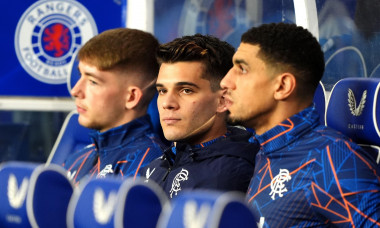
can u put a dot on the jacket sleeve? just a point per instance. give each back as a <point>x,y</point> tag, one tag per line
<point>351,192</point>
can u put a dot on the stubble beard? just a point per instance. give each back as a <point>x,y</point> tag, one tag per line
<point>234,121</point>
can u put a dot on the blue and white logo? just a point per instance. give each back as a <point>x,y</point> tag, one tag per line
<point>48,35</point>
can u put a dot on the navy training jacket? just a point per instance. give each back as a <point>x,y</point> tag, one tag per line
<point>120,151</point>
<point>225,164</point>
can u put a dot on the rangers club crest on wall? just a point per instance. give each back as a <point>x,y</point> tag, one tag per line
<point>49,34</point>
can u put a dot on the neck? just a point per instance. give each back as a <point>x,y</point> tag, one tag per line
<point>283,111</point>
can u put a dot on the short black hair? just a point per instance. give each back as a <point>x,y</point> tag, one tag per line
<point>292,48</point>
<point>215,54</point>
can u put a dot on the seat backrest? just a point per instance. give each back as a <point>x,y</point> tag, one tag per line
<point>33,195</point>
<point>48,197</point>
<point>140,204</point>
<point>207,209</point>
<point>94,205</point>
<point>320,102</point>
<point>116,203</point>
<point>72,137</point>
<point>14,185</point>
<point>353,109</point>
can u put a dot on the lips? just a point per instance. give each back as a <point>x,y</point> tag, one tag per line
<point>228,101</point>
<point>80,109</point>
<point>170,120</point>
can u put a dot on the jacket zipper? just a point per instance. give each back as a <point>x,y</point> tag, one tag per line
<point>166,174</point>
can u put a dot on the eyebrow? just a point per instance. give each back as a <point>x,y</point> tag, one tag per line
<point>89,74</point>
<point>180,84</point>
<point>240,61</point>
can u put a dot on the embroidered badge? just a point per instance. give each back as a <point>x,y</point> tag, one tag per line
<point>148,174</point>
<point>48,36</point>
<point>16,194</point>
<point>194,219</point>
<point>176,185</point>
<point>277,184</point>
<point>71,175</point>
<point>356,111</point>
<point>105,171</point>
<point>103,208</point>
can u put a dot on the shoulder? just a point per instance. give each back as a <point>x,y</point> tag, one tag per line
<point>84,153</point>
<point>236,146</point>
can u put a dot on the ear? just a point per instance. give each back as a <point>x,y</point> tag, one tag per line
<point>133,97</point>
<point>285,86</point>
<point>221,102</point>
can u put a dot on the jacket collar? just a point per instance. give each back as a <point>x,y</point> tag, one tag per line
<point>289,130</point>
<point>121,135</point>
<point>222,145</point>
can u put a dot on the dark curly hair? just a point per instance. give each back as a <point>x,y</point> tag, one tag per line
<point>291,48</point>
<point>216,55</point>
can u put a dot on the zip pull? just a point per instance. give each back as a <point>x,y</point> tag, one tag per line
<point>166,174</point>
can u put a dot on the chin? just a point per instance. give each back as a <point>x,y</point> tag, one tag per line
<point>83,122</point>
<point>171,137</point>
<point>233,120</point>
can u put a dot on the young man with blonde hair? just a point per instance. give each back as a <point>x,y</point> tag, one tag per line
<point>118,72</point>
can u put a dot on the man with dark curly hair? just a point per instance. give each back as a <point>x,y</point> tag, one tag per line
<point>306,174</point>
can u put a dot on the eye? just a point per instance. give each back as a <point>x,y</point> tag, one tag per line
<point>187,91</point>
<point>92,82</point>
<point>243,70</point>
<point>161,91</point>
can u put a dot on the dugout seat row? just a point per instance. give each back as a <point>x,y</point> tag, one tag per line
<point>352,107</point>
<point>38,195</point>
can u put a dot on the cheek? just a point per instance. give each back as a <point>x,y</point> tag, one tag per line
<point>204,108</point>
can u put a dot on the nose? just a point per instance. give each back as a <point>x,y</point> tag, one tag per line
<point>168,101</point>
<point>227,82</point>
<point>76,91</point>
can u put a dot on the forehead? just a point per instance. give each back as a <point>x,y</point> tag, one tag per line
<point>87,66</point>
<point>246,52</point>
<point>105,76</point>
<point>181,72</point>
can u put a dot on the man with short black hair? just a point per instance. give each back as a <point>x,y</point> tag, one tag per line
<point>205,152</point>
<point>306,174</point>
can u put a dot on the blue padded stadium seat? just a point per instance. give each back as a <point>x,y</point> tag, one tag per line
<point>94,205</point>
<point>353,109</point>
<point>140,204</point>
<point>14,185</point>
<point>320,102</point>
<point>33,195</point>
<point>71,138</point>
<point>48,197</point>
<point>207,209</point>
<point>111,202</point>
